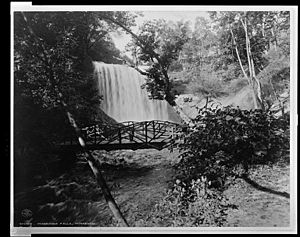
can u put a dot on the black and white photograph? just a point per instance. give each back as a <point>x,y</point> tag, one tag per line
<point>153,119</point>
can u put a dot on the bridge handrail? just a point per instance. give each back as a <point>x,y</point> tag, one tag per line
<point>138,130</point>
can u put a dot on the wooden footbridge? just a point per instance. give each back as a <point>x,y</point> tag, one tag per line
<point>127,135</point>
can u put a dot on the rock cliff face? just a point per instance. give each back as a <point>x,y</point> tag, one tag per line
<point>102,117</point>
<point>174,115</point>
<point>188,103</point>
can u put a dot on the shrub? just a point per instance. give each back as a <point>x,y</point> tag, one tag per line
<point>225,142</point>
<point>189,205</point>
<point>205,82</point>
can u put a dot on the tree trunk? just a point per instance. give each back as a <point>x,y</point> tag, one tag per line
<point>238,55</point>
<point>93,163</point>
<point>250,81</point>
<point>275,38</point>
<point>169,95</point>
<point>280,103</point>
<point>143,45</point>
<point>254,82</point>
<point>95,167</point>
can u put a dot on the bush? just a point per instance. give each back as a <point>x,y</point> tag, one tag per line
<point>189,205</point>
<point>205,82</point>
<point>223,144</point>
<point>226,142</point>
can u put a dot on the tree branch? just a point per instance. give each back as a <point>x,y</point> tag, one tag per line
<point>99,36</point>
<point>93,163</point>
<point>141,44</point>
<point>133,66</point>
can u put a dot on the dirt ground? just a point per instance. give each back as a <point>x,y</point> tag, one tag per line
<point>138,180</point>
<point>258,208</point>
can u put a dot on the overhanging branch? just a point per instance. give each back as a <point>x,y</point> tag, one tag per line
<point>133,66</point>
<point>141,43</point>
<point>93,163</point>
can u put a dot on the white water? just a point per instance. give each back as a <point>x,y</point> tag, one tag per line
<point>123,98</point>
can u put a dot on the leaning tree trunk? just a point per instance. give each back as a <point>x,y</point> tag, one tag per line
<point>91,160</point>
<point>142,44</point>
<point>95,167</point>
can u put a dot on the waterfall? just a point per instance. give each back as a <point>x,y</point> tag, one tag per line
<point>123,98</point>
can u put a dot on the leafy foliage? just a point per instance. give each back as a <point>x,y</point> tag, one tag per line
<point>210,59</point>
<point>224,144</point>
<point>198,50</point>
<point>246,37</point>
<point>190,205</point>
<point>158,45</point>
<point>57,47</point>
<point>197,57</point>
<point>275,77</point>
<point>227,141</point>
<point>205,82</point>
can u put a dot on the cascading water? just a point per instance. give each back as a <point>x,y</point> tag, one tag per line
<point>123,98</point>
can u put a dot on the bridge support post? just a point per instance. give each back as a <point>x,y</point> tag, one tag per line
<point>95,134</point>
<point>131,135</point>
<point>120,136</point>
<point>153,125</point>
<point>146,134</point>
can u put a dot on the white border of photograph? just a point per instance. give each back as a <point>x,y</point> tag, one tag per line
<point>26,231</point>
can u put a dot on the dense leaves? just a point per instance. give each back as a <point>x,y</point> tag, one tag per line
<point>247,37</point>
<point>222,145</point>
<point>189,205</point>
<point>218,54</point>
<point>53,51</point>
<point>227,141</point>
<point>158,44</point>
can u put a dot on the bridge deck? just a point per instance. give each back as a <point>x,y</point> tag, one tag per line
<point>114,146</point>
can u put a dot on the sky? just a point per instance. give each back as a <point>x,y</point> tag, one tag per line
<point>121,40</point>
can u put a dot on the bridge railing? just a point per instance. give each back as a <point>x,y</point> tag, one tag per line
<point>145,132</point>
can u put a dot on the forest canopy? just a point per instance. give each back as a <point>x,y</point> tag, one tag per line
<point>222,54</point>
